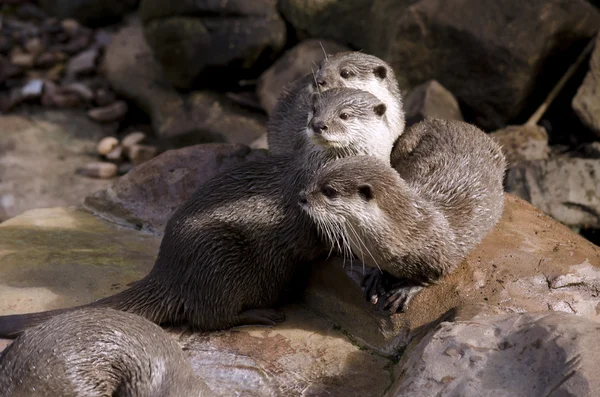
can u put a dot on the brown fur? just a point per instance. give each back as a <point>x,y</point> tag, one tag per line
<point>97,353</point>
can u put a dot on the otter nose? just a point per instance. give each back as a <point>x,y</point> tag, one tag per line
<point>302,198</point>
<point>318,126</point>
<point>321,82</point>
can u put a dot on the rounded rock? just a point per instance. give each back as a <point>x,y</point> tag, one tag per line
<point>107,145</point>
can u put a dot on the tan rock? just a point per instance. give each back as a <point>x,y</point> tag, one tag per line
<point>431,99</point>
<point>109,113</point>
<point>99,169</point>
<point>133,138</point>
<point>107,145</point>
<point>139,154</point>
<point>522,143</point>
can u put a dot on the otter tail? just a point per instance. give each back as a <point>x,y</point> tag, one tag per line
<point>144,298</point>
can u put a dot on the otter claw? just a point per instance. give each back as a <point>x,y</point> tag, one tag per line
<point>374,285</point>
<point>398,298</point>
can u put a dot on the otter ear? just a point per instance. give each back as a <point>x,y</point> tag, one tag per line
<point>380,109</point>
<point>366,191</point>
<point>381,72</point>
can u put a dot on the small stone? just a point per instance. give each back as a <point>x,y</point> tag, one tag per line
<point>55,96</point>
<point>104,97</point>
<point>34,46</point>
<point>133,138</point>
<point>431,99</point>
<point>522,143</point>
<point>22,59</point>
<point>107,145</point>
<point>50,58</point>
<point>82,63</point>
<point>32,89</point>
<point>116,154</point>
<point>76,44</point>
<point>70,26</point>
<point>103,170</point>
<point>80,89</point>
<point>55,72</point>
<point>141,153</point>
<point>109,113</point>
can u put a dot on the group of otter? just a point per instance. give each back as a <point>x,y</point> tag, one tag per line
<point>343,175</point>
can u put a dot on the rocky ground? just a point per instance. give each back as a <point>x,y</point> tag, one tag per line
<point>167,94</point>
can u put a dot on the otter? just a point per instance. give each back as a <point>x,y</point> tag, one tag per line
<point>97,352</point>
<point>417,221</point>
<point>240,243</point>
<point>352,69</point>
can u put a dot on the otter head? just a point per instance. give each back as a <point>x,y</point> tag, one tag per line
<point>347,121</point>
<point>354,69</point>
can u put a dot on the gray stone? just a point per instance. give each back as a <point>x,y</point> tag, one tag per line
<point>295,63</point>
<point>520,355</point>
<point>93,12</point>
<point>39,156</point>
<point>522,143</point>
<point>192,38</point>
<point>194,117</point>
<point>148,194</point>
<point>565,188</point>
<point>431,99</point>
<point>587,101</point>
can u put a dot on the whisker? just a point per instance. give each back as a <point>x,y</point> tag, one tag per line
<point>365,246</point>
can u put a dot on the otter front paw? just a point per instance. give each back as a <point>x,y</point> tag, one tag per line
<point>261,317</point>
<point>399,296</point>
<point>374,284</point>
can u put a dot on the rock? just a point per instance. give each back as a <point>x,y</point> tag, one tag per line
<point>83,91</point>
<point>82,63</point>
<point>115,155</point>
<point>34,46</point>
<point>193,117</point>
<point>147,195</point>
<point>191,39</point>
<point>39,155</point>
<point>99,169</point>
<point>107,145</point>
<point>22,59</point>
<point>260,143</point>
<point>139,154</point>
<point>76,44</point>
<point>133,138</point>
<point>292,65</point>
<point>520,355</point>
<point>508,44</point>
<point>57,97</point>
<point>70,26</point>
<point>54,258</point>
<point>587,101</point>
<point>510,272</point>
<point>431,99</point>
<point>89,12</point>
<point>50,58</point>
<point>109,113</point>
<point>522,143</point>
<point>565,188</point>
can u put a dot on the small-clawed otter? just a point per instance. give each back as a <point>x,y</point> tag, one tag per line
<point>353,69</point>
<point>230,252</point>
<point>416,222</point>
<point>97,353</point>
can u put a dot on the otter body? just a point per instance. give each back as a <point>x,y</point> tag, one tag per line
<point>418,221</point>
<point>353,69</point>
<point>233,249</point>
<point>97,353</point>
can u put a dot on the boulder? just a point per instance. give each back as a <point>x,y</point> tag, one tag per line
<point>563,187</point>
<point>191,39</point>
<point>528,263</point>
<point>519,355</point>
<point>295,63</point>
<point>194,117</point>
<point>147,195</point>
<point>90,12</point>
<point>59,257</point>
<point>522,143</point>
<point>432,100</point>
<point>39,157</point>
<point>587,101</point>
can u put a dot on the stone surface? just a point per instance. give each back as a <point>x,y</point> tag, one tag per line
<point>60,257</point>
<point>522,143</point>
<point>587,101</point>
<point>521,355</point>
<point>192,38</point>
<point>509,43</point>
<point>39,156</point>
<point>147,195</point>
<point>195,117</point>
<point>431,99</point>
<point>295,63</point>
<point>565,188</point>
<point>92,12</point>
<point>529,262</point>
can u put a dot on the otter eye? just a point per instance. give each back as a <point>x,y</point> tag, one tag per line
<point>345,73</point>
<point>328,191</point>
<point>344,116</point>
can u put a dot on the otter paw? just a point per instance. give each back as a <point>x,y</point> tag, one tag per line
<point>261,317</point>
<point>398,297</point>
<point>374,285</point>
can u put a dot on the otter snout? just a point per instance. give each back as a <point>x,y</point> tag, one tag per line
<point>321,82</point>
<point>302,199</point>
<point>318,126</point>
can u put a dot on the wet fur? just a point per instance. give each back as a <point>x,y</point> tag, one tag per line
<point>97,353</point>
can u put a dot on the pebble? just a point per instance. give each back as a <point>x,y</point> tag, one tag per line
<point>80,89</point>
<point>107,145</point>
<point>116,154</point>
<point>141,153</point>
<point>33,89</point>
<point>70,26</point>
<point>34,46</point>
<point>50,58</point>
<point>22,59</point>
<point>103,170</point>
<point>108,113</point>
<point>133,139</point>
<point>76,44</point>
<point>84,62</point>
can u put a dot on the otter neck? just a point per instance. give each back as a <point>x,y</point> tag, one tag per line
<point>332,153</point>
